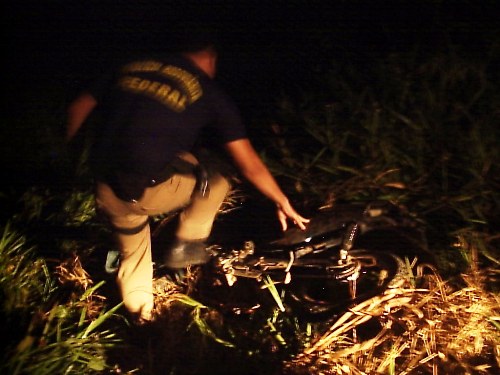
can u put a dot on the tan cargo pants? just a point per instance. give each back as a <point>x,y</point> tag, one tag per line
<point>135,273</point>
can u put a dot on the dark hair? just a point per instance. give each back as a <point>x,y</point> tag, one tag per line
<point>195,38</point>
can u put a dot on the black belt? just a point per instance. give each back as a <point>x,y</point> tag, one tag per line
<point>181,166</point>
<point>176,166</point>
<point>129,186</point>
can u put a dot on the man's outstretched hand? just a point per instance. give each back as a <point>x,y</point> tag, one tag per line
<point>285,212</point>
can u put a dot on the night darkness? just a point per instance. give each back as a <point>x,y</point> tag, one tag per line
<point>267,44</point>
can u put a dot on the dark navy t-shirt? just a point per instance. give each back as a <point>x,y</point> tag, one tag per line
<point>156,109</point>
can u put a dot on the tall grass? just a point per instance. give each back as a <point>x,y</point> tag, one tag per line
<point>54,317</point>
<point>420,132</point>
<point>19,267</point>
<point>45,330</point>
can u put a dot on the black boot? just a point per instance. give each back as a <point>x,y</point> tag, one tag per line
<point>183,253</point>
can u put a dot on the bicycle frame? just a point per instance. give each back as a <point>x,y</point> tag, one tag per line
<point>325,268</point>
<point>300,256</point>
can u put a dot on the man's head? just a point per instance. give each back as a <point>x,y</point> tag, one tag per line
<point>205,59</point>
<point>198,45</point>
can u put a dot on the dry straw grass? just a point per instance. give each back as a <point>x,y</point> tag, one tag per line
<point>71,275</point>
<point>71,272</point>
<point>424,325</point>
<point>430,330</point>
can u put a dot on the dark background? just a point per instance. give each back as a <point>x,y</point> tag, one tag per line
<point>265,44</point>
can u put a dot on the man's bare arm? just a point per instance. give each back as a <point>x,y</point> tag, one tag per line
<point>78,111</point>
<point>254,170</point>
